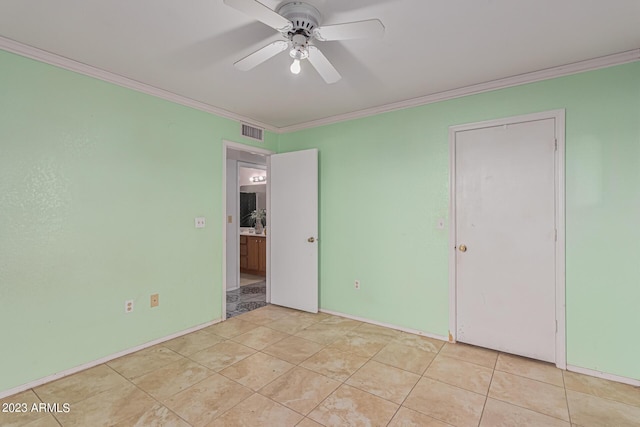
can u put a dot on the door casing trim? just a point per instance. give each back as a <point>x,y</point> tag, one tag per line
<point>560,309</point>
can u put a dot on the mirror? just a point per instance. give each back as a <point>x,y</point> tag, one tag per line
<point>253,193</point>
<point>247,205</point>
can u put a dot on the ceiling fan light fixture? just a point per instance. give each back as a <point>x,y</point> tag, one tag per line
<point>299,48</point>
<point>299,24</point>
<point>299,52</point>
<point>295,66</point>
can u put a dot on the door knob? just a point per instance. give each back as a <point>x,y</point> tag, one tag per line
<point>311,240</point>
<point>463,248</point>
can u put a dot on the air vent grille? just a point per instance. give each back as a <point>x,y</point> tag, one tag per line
<point>252,132</point>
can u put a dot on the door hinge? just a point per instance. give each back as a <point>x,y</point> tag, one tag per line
<point>556,235</point>
<point>556,326</point>
<point>555,144</point>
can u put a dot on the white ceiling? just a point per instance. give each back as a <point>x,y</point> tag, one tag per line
<point>430,46</point>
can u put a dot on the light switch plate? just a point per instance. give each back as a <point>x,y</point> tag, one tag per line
<point>200,222</point>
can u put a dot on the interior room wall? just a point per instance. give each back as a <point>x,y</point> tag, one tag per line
<point>99,188</point>
<point>381,228</point>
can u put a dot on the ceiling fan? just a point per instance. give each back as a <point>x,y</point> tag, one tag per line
<point>299,24</point>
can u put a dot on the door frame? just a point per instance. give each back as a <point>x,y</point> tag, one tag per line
<point>560,297</point>
<point>226,144</point>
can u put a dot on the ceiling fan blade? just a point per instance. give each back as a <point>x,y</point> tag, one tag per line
<point>261,12</point>
<point>261,55</point>
<point>350,30</point>
<point>323,66</point>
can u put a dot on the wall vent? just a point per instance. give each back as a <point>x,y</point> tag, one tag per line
<point>252,132</point>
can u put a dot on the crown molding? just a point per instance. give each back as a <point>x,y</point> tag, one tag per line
<point>107,76</point>
<point>535,76</point>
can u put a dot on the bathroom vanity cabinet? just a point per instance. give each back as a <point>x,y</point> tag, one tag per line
<point>253,255</point>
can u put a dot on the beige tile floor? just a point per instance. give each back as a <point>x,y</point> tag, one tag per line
<point>277,367</point>
<point>250,279</point>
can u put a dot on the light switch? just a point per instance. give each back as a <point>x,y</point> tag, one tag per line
<point>200,222</point>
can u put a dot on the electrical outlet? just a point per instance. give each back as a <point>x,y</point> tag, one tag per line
<point>200,222</point>
<point>155,300</point>
<point>356,284</point>
<point>128,306</point>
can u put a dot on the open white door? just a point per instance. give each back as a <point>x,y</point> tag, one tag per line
<point>293,229</point>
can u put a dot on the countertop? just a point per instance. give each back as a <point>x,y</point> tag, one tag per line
<point>246,233</point>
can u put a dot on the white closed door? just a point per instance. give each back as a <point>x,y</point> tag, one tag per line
<point>293,229</point>
<point>505,238</point>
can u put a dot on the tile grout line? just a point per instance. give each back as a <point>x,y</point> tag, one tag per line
<point>342,383</point>
<point>486,398</point>
<point>448,356</point>
<point>528,409</point>
<point>301,367</point>
<point>524,407</point>
<point>214,373</point>
<point>294,365</point>
<point>144,391</point>
<point>593,396</point>
<point>531,409</point>
<point>242,385</point>
<point>566,398</point>
<point>610,399</point>
<point>533,379</point>
<point>40,399</point>
<point>370,358</point>
<point>413,388</point>
<point>160,402</point>
<point>136,386</point>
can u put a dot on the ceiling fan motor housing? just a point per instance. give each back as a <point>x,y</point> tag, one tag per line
<point>303,17</point>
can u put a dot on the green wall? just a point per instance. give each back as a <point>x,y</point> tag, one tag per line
<point>99,187</point>
<point>384,182</point>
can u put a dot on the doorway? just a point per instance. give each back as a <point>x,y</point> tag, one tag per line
<point>292,222</point>
<point>507,236</point>
<point>245,274</point>
<point>250,212</point>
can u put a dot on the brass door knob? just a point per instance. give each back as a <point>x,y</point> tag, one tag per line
<point>463,248</point>
<point>311,240</point>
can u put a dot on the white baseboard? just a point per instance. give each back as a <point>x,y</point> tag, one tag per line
<point>387,325</point>
<point>604,375</point>
<point>100,361</point>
